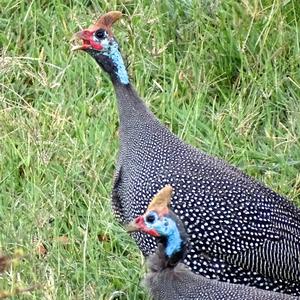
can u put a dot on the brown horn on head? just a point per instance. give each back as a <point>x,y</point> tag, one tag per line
<point>161,200</point>
<point>106,21</point>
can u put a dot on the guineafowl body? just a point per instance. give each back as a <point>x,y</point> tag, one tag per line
<point>167,278</point>
<point>240,231</point>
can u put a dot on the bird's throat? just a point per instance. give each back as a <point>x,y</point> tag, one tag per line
<point>119,69</point>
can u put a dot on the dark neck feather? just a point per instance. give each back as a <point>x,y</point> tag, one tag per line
<point>160,261</point>
<point>133,113</point>
<point>129,102</point>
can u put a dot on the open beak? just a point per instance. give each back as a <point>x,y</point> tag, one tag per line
<point>131,227</point>
<point>81,40</point>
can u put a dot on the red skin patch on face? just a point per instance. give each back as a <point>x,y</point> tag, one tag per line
<point>87,38</point>
<point>139,221</point>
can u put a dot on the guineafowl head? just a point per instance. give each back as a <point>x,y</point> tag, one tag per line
<point>99,41</point>
<point>159,221</point>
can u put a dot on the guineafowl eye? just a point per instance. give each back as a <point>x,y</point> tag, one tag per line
<point>150,218</point>
<point>100,34</point>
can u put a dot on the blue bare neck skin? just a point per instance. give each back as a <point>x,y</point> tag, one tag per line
<point>114,54</point>
<point>174,242</point>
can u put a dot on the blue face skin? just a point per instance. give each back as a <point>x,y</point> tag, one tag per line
<point>110,48</point>
<point>167,228</point>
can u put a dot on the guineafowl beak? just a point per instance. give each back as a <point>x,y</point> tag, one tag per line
<point>135,225</point>
<point>138,224</point>
<point>84,40</point>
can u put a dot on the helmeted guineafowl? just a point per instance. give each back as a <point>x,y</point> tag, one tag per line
<point>240,231</point>
<point>168,278</point>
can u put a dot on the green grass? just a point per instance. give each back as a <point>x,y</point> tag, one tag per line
<point>225,79</point>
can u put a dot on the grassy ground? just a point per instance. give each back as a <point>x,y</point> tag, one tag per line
<point>225,78</point>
